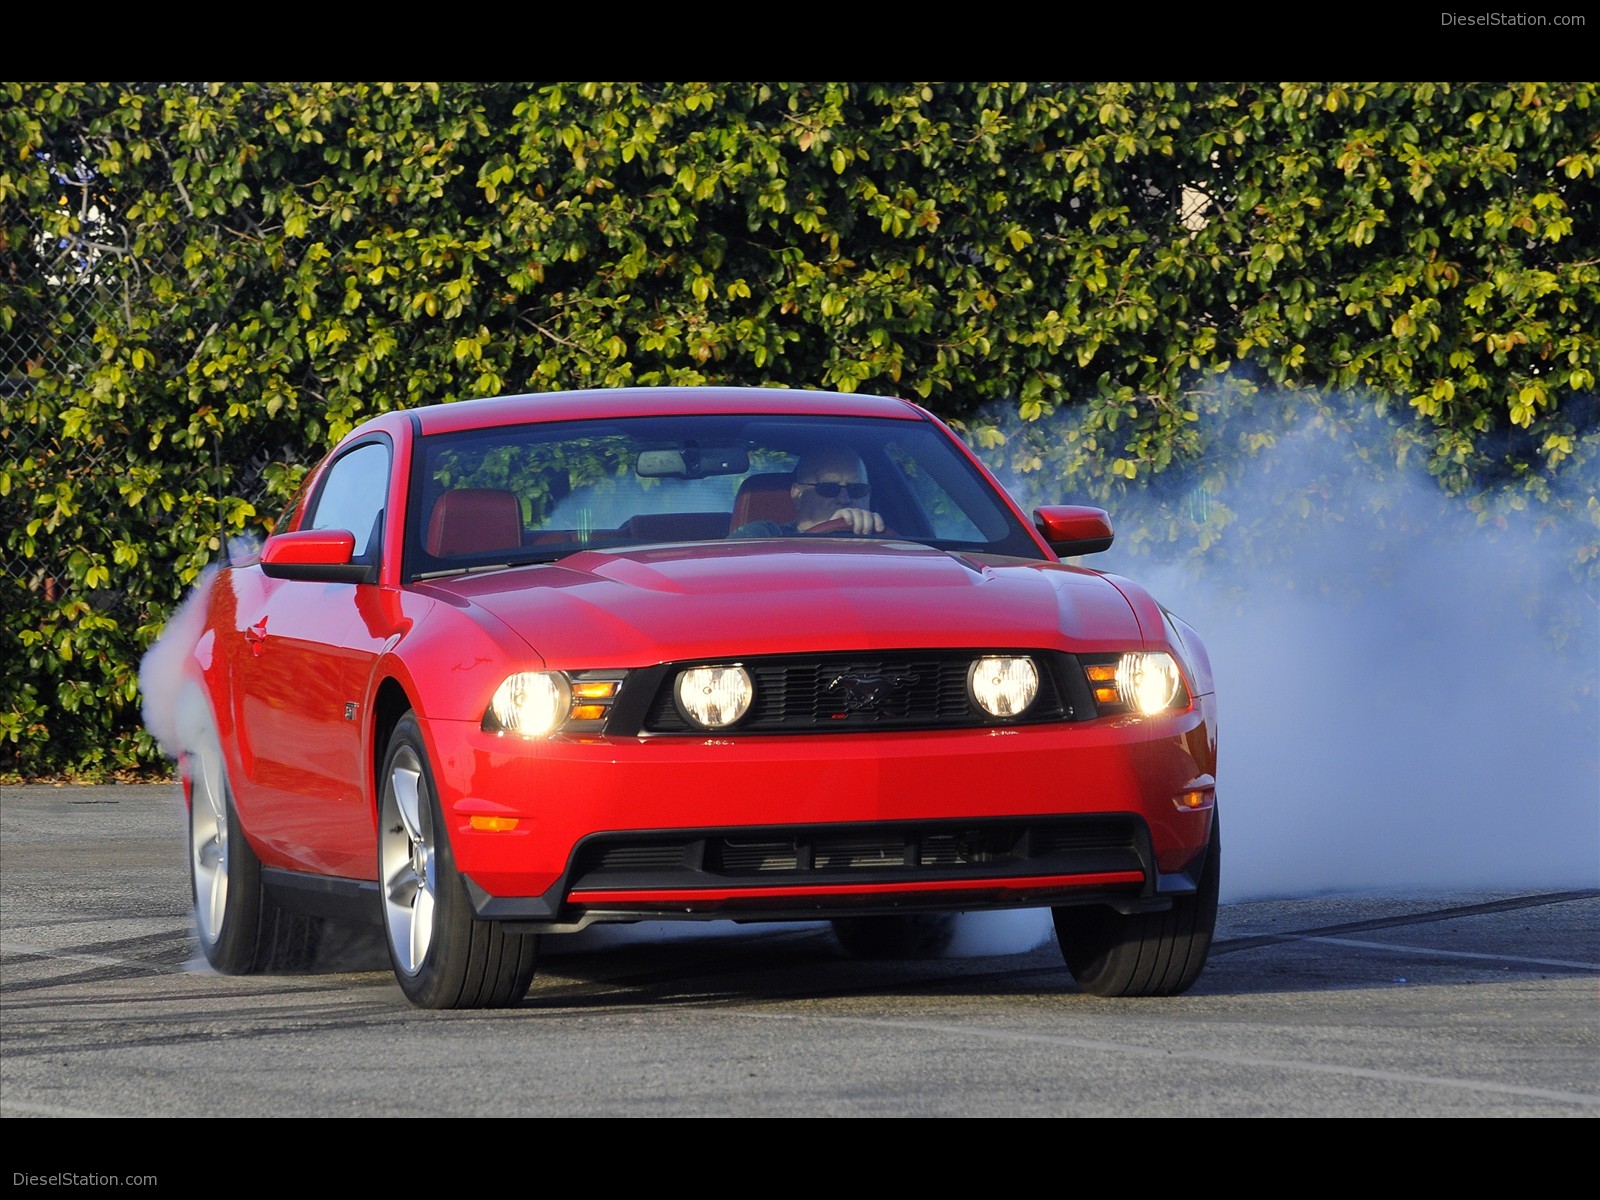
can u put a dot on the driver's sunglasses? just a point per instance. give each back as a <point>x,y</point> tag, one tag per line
<point>829,490</point>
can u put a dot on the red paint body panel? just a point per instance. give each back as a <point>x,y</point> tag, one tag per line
<point>659,605</point>
<point>292,656</point>
<point>621,402</point>
<point>315,546</point>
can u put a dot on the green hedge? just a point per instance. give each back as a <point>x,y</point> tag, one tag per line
<point>211,283</point>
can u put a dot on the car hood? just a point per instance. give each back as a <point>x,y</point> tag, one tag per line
<point>665,603</point>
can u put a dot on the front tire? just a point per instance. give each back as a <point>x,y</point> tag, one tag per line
<point>443,956</point>
<point>1143,954</point>
<point>241,929</point>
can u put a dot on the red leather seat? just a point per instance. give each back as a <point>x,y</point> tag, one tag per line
<point>764,498</point>
<point>474,521</point>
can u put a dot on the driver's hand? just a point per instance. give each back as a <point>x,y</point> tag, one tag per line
<point>860,520</point>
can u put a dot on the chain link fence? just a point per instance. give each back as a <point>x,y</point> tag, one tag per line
<point>65,457</point>
<point>59,298</point>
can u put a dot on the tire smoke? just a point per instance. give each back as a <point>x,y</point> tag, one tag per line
<point>161,670</point>
<point>1407,695</point>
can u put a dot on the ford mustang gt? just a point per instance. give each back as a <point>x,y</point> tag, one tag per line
<point>513,666</point>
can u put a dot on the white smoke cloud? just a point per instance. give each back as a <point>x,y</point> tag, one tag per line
<point>161,669</point>
<point>1406,695</point>
<point>167,718</point>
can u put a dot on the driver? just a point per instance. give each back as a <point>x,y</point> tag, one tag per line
<point>830,484</point>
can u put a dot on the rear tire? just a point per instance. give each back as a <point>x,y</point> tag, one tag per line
<point>443,956</point>
<point>901,935</point>
<point>1143,954</point>
<point>241,929</point>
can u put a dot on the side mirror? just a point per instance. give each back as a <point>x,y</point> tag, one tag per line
<point>316,556</point>
<point>1072,529</point>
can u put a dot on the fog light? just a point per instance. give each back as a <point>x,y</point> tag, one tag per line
<point>1003,687</point>
<point>714,697</point>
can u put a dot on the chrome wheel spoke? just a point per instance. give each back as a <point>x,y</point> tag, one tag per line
<point>212,855</point>
<point>218,902</point>
<point>406,862</point>
<point>208,835</point>
<point>421,924</point>
<point>400,888</point>
<point>210,774</point>
<point>407,793</point>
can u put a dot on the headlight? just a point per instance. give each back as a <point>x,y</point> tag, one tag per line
<point>535,704</point>
<point>1143,682</point>
<point>531,703</point>
<point>1148,683</point>
<point>714,697</point>
<point>1003,687</point>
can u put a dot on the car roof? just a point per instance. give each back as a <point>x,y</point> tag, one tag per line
<point>653,401</point>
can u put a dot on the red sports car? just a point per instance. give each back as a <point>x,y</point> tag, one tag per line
<point>512,666</point>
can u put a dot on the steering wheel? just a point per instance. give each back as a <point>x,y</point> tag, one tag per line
<point>840,525</point>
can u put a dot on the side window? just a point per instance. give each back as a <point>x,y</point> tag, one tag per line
<point>353,494</point>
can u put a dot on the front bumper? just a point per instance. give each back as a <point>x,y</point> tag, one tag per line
<point>801,826</point>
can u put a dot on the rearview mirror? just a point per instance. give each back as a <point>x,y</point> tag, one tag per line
<point>692,462</point>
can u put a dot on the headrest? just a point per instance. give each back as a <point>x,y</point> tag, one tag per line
<point>474,521</point>
<point>764,498</point>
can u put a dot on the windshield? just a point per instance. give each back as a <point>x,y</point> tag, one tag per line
<point>533,493</point>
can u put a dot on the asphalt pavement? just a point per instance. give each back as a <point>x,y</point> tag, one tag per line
<point>1435,1004</point>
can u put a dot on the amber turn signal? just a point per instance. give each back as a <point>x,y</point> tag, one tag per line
<point>493,824</point>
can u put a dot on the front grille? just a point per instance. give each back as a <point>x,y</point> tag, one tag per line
<point>837,692</point>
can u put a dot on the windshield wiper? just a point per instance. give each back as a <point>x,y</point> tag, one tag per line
<point>497,566</point>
